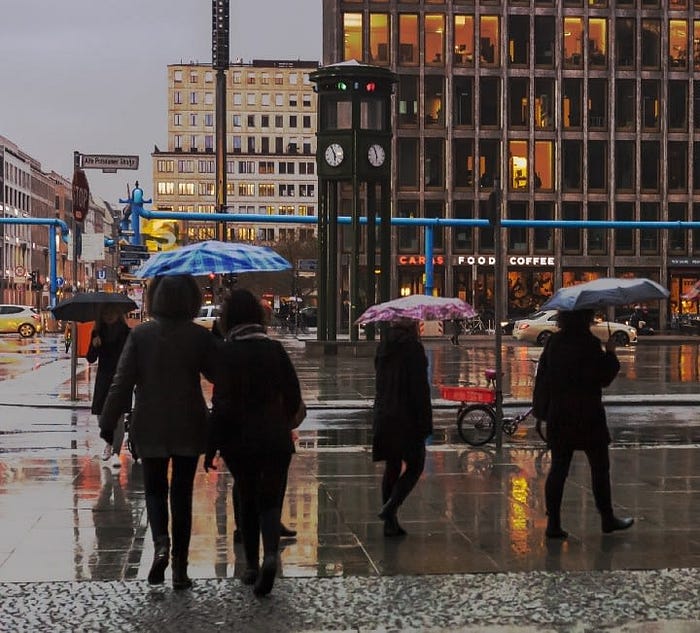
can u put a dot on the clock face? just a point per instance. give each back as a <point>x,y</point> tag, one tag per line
<point>376,155</point>
<point>334,154</point>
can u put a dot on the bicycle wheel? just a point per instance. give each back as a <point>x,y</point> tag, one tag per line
<point>477,424</point>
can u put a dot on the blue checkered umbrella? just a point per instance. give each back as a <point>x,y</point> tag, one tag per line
<point>202,258</point>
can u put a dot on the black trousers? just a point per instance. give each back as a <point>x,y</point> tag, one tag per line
<point>599,462</point>
<point>155,479</point>
<point>397,486</point>
<point>260,481</point>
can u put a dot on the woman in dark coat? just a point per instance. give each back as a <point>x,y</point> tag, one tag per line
<point>106,343</point>
<point>254,409</point>
<point>164,359</point>
<point>572,372</point>
<point>403,416</point>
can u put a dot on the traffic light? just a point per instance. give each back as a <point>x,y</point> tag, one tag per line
<point>34,278</point>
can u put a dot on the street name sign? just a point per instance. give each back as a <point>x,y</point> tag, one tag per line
<point>109,162</point>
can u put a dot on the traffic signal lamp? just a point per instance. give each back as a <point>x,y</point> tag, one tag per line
<point>212,276</point>
<point>370,86</point>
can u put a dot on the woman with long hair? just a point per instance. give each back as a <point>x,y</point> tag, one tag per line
<point>164,359</point>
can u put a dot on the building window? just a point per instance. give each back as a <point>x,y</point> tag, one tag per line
<point>177,120</point>
<point>489,106</point>
<point>193,98</point>
<point>177,97</point>
<point>517,235</point>
<point>486,235</point>
<point>185,188</point>
<point>464,40</point>
<point>266,167</point>
<point>246,167</point>
<point>463,88</point>
<point>489,162</point>
<point>624,165</point>
<point>543,235</point>
<point>166,188</point>
<point>177,76</point>
<point>236,120</point>
<point>677,238</point>
<point>597,103</point>
<point>177,141</point>
<point>246,189</point>
<point>292,120</point>
<point>250,79</point>
<point>544,100</point>
<point>597,238</point>
<point>517,164</point>
<point>185,166</point>
<point>597,42</point>
<point>209,98</point>
<point>597,165</point>
<point>352,36</point>
<point>518,40</point>
<point>434,174</point>
<point>678,106</point>
<point>625,110</point>
<point>408,235</point>
<point>265,144</point>
<point>237,98</point>
<point>651,43</point>
<point>649,238</point>
<point>488,44</point>
<point>206,188</point>
<point>677,166</point>
<point>463,163</point>
<point>165,166</point>
<point>208,120</point>
<point>292,101</point>
<point>571,238</point>
<point>650,104</point>
<point>624,238</point>
<point>208,76</point>
<point>543,178</point>
<point>678,44</point>
<point>573,39</point>
<point>251,120</point>
<point>518,90</point>
<point>408,100</point>
<point>463,236</point>
<point>435,39</point>
<point>650,166</point>
<point>250,98</point>
<point>544,41</point>
<point>266,190</point>
<point>379,38</point>
<point>434,92</point>
<point>306,100</point>
<point>625,39</point>
<point>571,165</point>
<point>306,121</point>
<point>205,166</point>
<point>408,39</point>
<point>251,145</point>
<point>236,77</point>
<point>279,100</point>
<point>193,119</point>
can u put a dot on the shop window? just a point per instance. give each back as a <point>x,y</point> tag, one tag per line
<point>650,104</point>
<point>489,105</point>
<point>489,162</point>
<point>408,235</point>
<point>650,166</point>
<point>436,209</point>
<point>544,98</point>
<point>543,178</point>
<point>677,166</point>
<point>408,163</point>
<point>571,238</point>
<point>379,33</point>
<point>464,40</point>
<point>489,39</point>
<point>571,103</point>
<point>597,238</point>
<point>543,234</point>
<point>544,41</point>
<point>463,236</point>
<point>624,238</point>
<point>677,238</point>
<point>517,235</point>
<point>517,165</point>
<point>597,43</point>
<point>678,44</point>
<point>649,238</point>
<point>678,106</point>
<point>518,40</point>
<point>352,36</point>
<point>625,42</point>
<point>463,163</point>
<point>651,43</point>
<point>434,101</point>
<point>625,110</point>
<point>486,234</point>
<point>518,88</point>
<point>408,39</point>
<point>571,159</point>
<point>597,103</point>
<point>597,165</point>
<point>434,176</point>
<point>435,39</point>
<point>573,38</point>
<point>408,100</point>
<point>624,165</point>
<point>463,88</point>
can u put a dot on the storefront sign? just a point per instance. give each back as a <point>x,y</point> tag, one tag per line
<point>419,260</point>
<point>684,261</point>
<point>514,260</point>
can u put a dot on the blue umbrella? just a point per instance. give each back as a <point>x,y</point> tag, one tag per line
<point>607,291</point>
<point>202,258</point>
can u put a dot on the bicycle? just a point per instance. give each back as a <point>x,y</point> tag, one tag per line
<point>476,416</point>
<point>475,325</point>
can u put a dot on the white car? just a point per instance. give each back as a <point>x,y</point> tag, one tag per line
<point>538,327</point>
<point>17,319</point>
<point>207,316</point>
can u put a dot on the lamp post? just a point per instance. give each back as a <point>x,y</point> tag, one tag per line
<point>220,63</point>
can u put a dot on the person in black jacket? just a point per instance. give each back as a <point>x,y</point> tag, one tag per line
<point>571,374</point>
<point>255,403</point>
<point>403,416</point>
<point>106,343</point>
<point>164,359</point>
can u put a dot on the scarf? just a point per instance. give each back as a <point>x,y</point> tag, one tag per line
<point>246,331</point>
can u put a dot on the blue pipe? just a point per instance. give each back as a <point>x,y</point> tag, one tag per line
<point>429,267</point>
<point>53,273</point>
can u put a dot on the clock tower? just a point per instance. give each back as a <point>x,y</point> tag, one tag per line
<point>354,171</point>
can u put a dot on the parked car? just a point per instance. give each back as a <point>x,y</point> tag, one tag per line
<point>309,316</point>
<point>17,319</point>
<point>207,316</point>
<point>538,327</point>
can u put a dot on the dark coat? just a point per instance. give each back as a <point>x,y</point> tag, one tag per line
<point>255,399</point>
<point>403,414</point>
<point>164,360</point>
<point>112,339</point>
<point>571,374</point>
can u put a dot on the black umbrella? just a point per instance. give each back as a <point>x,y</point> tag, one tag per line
<point>86,306</point>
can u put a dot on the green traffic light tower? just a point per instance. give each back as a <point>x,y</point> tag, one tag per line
<point>353,157</point>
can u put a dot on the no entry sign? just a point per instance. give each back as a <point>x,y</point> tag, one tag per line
<point>81,195</point>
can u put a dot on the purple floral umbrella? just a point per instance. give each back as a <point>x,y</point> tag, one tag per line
<point>418,308</point>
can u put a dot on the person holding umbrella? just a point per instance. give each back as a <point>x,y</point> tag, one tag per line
<point>572,372</point>
<point>106,343</point>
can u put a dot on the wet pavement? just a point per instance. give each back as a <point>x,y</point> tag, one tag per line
<point>75,549</point>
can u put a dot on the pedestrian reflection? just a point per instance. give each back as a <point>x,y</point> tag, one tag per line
<point>220,512</point>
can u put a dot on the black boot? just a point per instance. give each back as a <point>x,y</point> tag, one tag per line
<point>156,575</point>
<point>610,523</point>
<point>392,527</point>
<point>286,532</point>
<point>554,530</point>
<point>180,578</point>
<point>266,577</point>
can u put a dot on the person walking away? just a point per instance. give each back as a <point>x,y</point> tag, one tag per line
<point>68,336</point>
<point>106,343</point>
<point>255,407</point>
<point>164,359</point>
<point>403,416</point>
<point>572,372</point>
<point>456,331</point>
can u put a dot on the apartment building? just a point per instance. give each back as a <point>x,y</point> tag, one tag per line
<point>585,110</point>
<point>270,147</point>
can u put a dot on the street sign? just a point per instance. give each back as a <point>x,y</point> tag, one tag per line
<point>19,271</point>
<point>307,265</point>
<point>81,195</point>
<point>102,274</point>
<point>108,162</point>
<point>60,281</point>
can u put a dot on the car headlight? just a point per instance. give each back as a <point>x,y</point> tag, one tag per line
<point>504,323</point>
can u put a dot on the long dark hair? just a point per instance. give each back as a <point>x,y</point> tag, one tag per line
<point>241,306</point>
<point>575,321</point>
<point>176,297</point>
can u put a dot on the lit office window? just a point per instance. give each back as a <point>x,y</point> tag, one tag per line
<point>352,36</point>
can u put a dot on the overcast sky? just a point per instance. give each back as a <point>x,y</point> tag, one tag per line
<point>91,75</point>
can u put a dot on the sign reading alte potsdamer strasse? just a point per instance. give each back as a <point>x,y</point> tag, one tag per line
<point>109,162</point>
